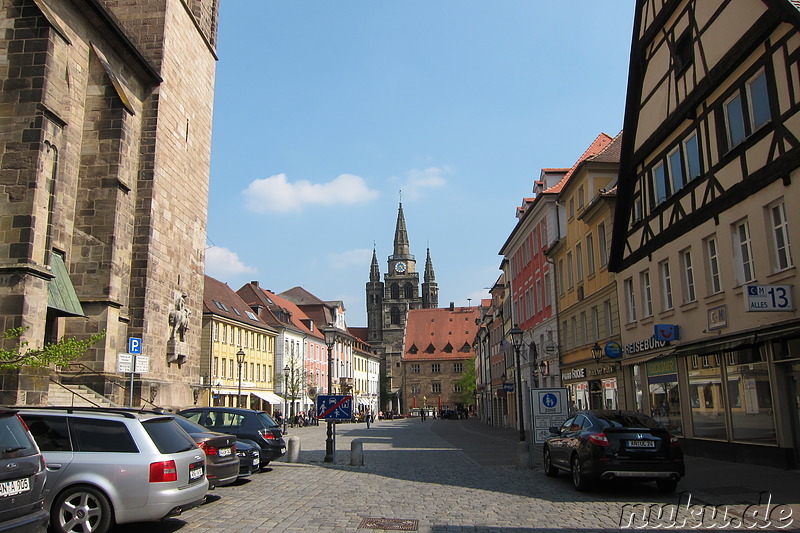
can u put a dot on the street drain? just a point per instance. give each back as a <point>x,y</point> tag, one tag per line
<point>393,524</point>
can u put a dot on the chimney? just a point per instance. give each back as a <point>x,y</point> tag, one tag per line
<point>254,283</point>
<point>452,306</point>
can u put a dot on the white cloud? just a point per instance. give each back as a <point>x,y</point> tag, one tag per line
<point>352,258</point>
<point>278,194</point>
<point>221,262</point>
<point>419,181</point>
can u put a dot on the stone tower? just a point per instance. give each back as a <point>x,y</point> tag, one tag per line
<point>430,289</point>
<point>105,180</point>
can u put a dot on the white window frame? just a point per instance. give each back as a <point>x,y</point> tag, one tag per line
<point>570,272</point>
<point>579,262</point>
<point>630,300</point>
<point>743,252</point>
<point>675,170</point>
<point>666,286</point>
<point>687,262</point>
<point>712,257</point>
<point>602,244</point>
<point>647,294</point>
<point>687,160</point>
<point>590,265</point>
<point>750,107</point>
<point>779,234</point>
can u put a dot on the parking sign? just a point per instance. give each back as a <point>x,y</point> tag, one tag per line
<point>134,345</point>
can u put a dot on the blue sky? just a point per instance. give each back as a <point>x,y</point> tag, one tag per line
<point>325,110</point>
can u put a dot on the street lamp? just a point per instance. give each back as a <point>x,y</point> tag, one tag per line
<point>516,342</point>
<point>240,360</point>
<point>597,352</point>
<point>330,339</point>
<point>285,394</point>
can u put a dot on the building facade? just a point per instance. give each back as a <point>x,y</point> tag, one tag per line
<point>705,240</point>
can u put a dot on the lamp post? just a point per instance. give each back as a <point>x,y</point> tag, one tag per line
<point>516,342</point>
<point>285,394</point>
<point>240,360</point>
<point>597,352</point>
<point>330,340</point>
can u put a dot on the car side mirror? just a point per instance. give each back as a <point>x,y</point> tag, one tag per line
<point>555,430</point>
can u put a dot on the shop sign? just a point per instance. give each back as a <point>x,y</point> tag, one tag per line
<point>718,317</point>
<point>600,371</point>
<point>508,386</point>
<point>613,350</point>
<point>662,367</point>
<point>575,373</point>
<point>643,346</point>
<point>769,298</point>
<point>550,346</point>
<point>666,332</point>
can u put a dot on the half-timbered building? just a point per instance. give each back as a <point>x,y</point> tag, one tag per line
<point>704,228</point>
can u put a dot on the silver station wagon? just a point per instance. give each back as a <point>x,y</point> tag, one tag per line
<point>112,466</point>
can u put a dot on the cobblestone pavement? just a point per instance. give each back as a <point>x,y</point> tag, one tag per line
<point>447,475</point>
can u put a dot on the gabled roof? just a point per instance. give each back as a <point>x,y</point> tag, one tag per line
<point>600,142</point>
<point>219,299</point>
<point>276,311</point>
<point>432,330</point>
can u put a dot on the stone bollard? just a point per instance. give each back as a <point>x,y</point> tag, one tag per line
<point>293,450</point>
<point>523,456</point>
<point>357,453</point>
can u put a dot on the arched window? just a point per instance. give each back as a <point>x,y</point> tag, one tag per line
<point>395,315</point>
<point>395,291</point>
<point>409,289</point>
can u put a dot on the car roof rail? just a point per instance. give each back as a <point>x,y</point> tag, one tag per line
<point>127,413</point>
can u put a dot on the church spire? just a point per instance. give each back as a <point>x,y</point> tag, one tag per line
<point>374,268</point>
<point>429,275</point>
<point>401,247</point>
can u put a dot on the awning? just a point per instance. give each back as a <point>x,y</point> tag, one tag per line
<point>722,345</point>
<point>61,294</point>
<point>646,357</point>
<point>269,397</point>
<point>394,392</point>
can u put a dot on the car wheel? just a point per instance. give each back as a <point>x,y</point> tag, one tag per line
<point>579,479</point>
<point>81,509</point>
<point>667,485</point>
<point>264,466</point>
<point>549,469</point>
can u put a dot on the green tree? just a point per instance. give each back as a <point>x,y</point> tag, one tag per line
<point>60,353</point>
<point>468,382</point>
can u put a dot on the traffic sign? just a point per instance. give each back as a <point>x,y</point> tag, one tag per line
<point>134,345</point>
<point>126,361</point>
<point>550,408</point>
<point>334,407</point>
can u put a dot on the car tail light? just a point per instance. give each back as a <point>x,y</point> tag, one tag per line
<point>210,450</point>
<point>266,434</point>
<point>599,439</point>
<point>163,472</point>
<point>674,442</point>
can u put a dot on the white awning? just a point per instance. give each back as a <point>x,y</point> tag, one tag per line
<point>267,396</point>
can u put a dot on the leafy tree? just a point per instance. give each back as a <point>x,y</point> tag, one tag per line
<point>468,382</point>
<point>60,353</point>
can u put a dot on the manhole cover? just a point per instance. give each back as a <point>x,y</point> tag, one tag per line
<point>394,524</point>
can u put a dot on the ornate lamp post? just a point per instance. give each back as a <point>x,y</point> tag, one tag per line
<point>516,341</point>
<point>330,341</point>
<point>240,360</point>
<point>285,394</point>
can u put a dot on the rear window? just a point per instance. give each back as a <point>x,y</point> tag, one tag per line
<point>14,440</point>
<point>106,436</point>
<point>189,426</point>
<point>627,420</point>
<point>267,420</point>
<point>168,436</point>
<point>219,420</point>
<point>50,432</point>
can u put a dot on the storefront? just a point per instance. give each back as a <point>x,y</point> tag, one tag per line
<point>592,386</point>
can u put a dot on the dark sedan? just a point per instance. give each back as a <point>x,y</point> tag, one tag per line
<point>249,457</point>
<point>222,461</point>
<point>604,444</point>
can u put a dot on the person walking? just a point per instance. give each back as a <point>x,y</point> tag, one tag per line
<point>368,418</point>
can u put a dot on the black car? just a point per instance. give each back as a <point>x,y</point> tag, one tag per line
<point>249,457</point>
<point>257,426</point>
<point>605,444</point>
<point>222,461</point>
<point>22,477</point>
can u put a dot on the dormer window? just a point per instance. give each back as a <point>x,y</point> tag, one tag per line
<point>430,348</point>
<point>448,348</point>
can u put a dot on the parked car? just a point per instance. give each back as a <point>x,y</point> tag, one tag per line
<point>604,444</point>
<point>257,426</point>
<point>88,451</point>
<point>22,478</point>
<point>249,457</point>
<point>222,461</point>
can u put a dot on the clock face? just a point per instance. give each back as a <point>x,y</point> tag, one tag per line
<point>400,267</point>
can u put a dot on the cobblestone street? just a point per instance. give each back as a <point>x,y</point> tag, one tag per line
<point>448,475</point>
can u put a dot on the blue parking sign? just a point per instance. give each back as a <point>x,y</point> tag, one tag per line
<point>134,345</point>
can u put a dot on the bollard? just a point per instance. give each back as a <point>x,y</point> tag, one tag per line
<point>357,453</point>
<point>523,456</point>
<point>293,450</point>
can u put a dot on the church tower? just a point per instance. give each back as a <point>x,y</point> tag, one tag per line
<point>374,302</point>
<point>430,289</point>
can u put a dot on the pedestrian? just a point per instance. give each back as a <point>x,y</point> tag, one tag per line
<point>369,419</point>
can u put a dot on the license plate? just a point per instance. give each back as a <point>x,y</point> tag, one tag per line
<point>14,487</point>
<point>224,452</point>
<point>195,471</point>
<point>641,444</point>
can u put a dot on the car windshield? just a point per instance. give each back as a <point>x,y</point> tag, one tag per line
<point>626,420</point>
<point>267,420</point>
<point>167,436</point>
<point>14,440</point>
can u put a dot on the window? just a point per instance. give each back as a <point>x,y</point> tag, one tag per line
<point>741,122</point>
<point>666,286</point>
<point>50,432</point>
<point>660,180</point>
<point>458,368</point>
<point>595,324</point>
<point>570,272</point>
<point>224,334</point>
<point>675,169</point>
<point>216,332</point>
<point>688,277</point>
<point>539,291</point>
<point>571,207</point>
<point>692,155</point>
<point>584,333</point>
<point>108,436</point>
<point>579,261</point>
<point>230,368</point>
<point>547,289</point>
<point>780,236</point>
<point>609,318</point>
<point>712,257</point>
<point>216,367</point>
<point>630,300</point>
<point>743,253</point>
<point>734,120</point>
<point>573,325</point>
<point>436,368</point>
<point>436,387</point>
<point>561,277</point>
<point>581,195</point>
<point>415,368</point>
<point>647,297</point>
<point>395,315</point>
<point>590,254</point>
<point>457,387</point>
<point>758,100</point>
<point>603,248</point>
<point>683,54</point>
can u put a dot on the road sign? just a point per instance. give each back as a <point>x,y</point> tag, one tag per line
<point>334,407</point>
<point>550,408</point>
<point>134,345</point>
<point>125,362</point>
<point>142,364</point>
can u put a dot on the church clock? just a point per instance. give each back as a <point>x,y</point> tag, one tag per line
<point>400,267</point>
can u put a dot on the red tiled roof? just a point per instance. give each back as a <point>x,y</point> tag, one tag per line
<point>440,333</point>
<point>359,333</point>
<point>219,299</point>
<point>595,148</point>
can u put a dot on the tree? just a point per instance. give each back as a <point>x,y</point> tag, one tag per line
<point>468,382</point>
<point>60,353</point>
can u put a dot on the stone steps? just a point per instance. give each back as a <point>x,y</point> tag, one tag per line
<point>83,397</point>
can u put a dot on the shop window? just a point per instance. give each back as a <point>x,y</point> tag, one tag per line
<point>750,399</point>
<point>706,401</point>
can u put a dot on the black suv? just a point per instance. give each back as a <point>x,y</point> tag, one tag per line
<point>22,476</point>
<point>257,426</point>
